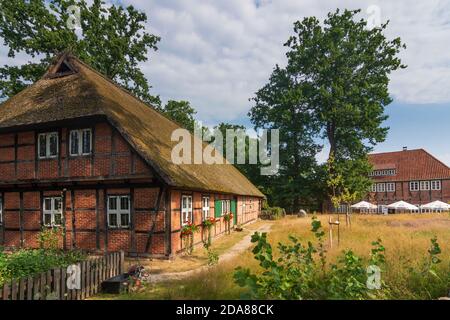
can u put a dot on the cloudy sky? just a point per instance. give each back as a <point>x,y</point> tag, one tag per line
<point>216,54</point>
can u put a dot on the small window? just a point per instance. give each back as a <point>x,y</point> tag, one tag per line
<point>80,142</point>
<point>390,187</point>
<point>48,145</point>
<point>205,207</point>
<point>373,188</point>
<point>52,209</point>
<point>424,185</point>
<point>414,186</point>
<point>381,187</point>
<point>225,207</point>
<point>119,211</point>
<point>186,210</point>
<point>436,185</point>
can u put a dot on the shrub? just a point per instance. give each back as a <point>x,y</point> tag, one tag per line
<point>300,271</point>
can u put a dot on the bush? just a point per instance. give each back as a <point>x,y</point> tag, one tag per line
<point>28,262</point>
<point>273,213</point>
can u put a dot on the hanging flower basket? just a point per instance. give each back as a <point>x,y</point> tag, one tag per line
<point>209,222</point>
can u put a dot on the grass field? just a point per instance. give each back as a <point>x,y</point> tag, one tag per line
<point>406,238</point>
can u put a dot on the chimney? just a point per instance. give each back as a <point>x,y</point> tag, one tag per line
<point>405,148</point>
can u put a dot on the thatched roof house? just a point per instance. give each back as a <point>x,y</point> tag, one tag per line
<point>74,129</point>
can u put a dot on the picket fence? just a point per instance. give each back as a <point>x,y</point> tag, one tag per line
<point>53,284</point>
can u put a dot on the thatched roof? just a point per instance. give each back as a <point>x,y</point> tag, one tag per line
<point>71,89</point>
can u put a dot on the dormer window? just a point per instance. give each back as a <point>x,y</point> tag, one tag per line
<point>48,145</point>
<point>80,142</point>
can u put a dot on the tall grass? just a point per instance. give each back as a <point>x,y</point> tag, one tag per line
<point>405,237</point>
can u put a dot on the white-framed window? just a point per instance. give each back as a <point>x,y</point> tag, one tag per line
<point>205,207</point>
<point>414,185</point>
<point>424,185</point>
<point>226,207</point>
<point>80,142</point>
<point>390,187</point>
<point>436,185</point>
<point>373,188</point>
<point>186,210</point>
<point>48,145</point>
<point>52,209</point>
<point>381,187</point>
<point>1,210</point>
<point>118,211</point>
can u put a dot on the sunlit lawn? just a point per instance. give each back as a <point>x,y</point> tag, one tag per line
<point>406,238</point>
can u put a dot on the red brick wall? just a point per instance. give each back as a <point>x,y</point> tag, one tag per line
<point>84,207</point>
<point>112,157</point>
<point>402,192</point>
<point>250,214</point>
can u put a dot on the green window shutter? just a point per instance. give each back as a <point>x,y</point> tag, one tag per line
<point>218,209</point>
<point>233,210</point>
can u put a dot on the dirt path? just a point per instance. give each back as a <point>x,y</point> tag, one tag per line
<point>234,251</point>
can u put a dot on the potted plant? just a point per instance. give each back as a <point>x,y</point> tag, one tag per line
<point>228,217</point>
<point>208,223</point>
<point>187,234</point>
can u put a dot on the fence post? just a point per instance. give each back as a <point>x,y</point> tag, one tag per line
<point>122,262</point>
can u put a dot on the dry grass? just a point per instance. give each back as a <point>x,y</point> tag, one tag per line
<point>199,257</point>
<point>406,238</point>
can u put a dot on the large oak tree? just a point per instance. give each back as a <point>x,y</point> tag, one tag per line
<point>110,37</point>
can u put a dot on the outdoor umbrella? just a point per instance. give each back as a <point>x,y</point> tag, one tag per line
<point>364,205</point>
<point>402,205</point>
<point>437,205</point>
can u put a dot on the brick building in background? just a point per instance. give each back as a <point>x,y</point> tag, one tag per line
<point>79,152</point>
<point>414,176</point>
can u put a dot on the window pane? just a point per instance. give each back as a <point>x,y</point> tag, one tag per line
<point>124,217</point>
<point>58,219</point>
<point>74,142</point>
<point>184,201</point>
<point>53,144</point>
<point>58,204</point>
<point>47,204</point>
<point>42,145</point>
<point>113,220</point>
<point>47,219</point>
<point>112,203</point>
<point>86,141</point>
<point>124,203</point>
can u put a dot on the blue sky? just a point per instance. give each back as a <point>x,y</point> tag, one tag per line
<point>216,54</point>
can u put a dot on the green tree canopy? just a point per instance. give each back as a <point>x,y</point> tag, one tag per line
<point>344,66</point>
<point>334,88</point>
<point>181,112</point>
<point>111,38</point>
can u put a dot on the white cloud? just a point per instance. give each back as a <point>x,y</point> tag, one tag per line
<point>216,54</point>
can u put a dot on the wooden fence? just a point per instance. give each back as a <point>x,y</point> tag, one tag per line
<point>52,285</point>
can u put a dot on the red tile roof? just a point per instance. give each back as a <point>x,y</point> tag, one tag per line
<point>409,165</point>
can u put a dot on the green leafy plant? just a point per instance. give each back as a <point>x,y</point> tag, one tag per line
<point>187,234</point>
<point>301,272</point>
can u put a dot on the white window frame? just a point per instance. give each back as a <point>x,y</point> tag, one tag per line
<point>424,185</point>
<point>52,211</point>
<point>186,210</point>
<point>205,207</point>
<point>373,187</point>
<point>435,185</point>
<point>80,133</point>
<point>414,186</point>
<point>381,187</point>
<point>119,211</point>
<point>226,207</point>
<point>48,136</point>
<point>390,187</point>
